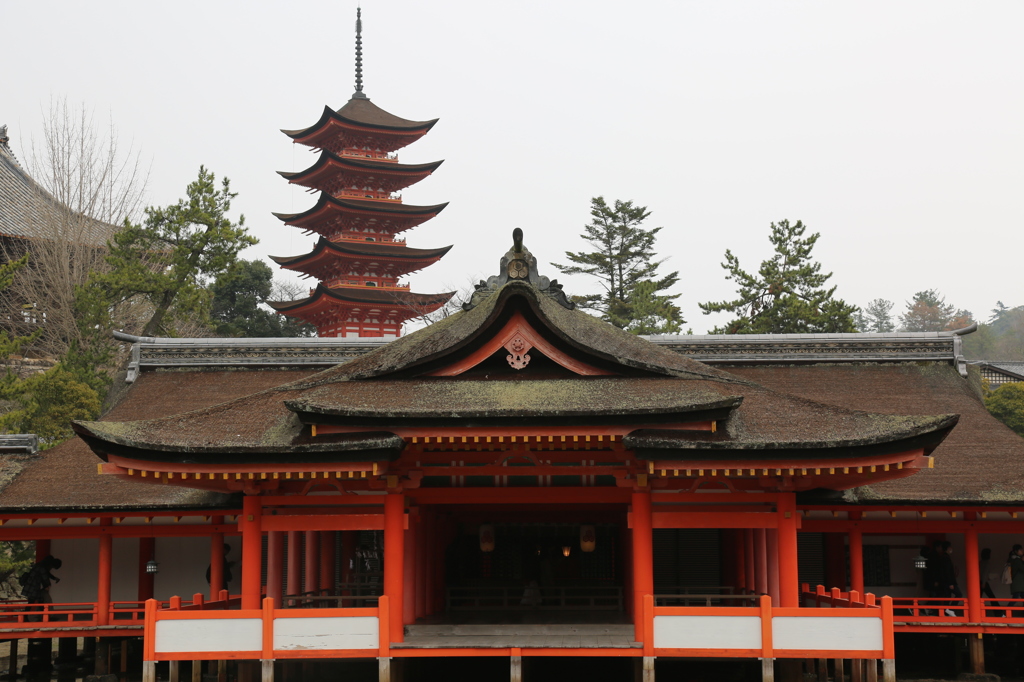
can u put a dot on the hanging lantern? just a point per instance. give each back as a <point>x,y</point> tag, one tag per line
<point>152,566</point>
<point>920,562</point>
<point>487,538</point>
<point>588,539</point>
<point>567,550</point>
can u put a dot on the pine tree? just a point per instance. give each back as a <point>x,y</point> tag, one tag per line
<point>787,295</point>
<point>929,312</point>
<point>623,257</point>
<point>876,317</point>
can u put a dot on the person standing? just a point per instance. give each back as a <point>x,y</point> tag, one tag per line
<point>35,584</point>
<point>1016,561</point>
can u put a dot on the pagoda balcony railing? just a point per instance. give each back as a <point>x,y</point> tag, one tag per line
<point>345,282</point>
<point>375,196</point>
<point>381,239</point>
<point>366,154</point>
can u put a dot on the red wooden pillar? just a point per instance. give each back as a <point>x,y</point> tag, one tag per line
<point>410,567</point>
<point>106,563</point>
<point>275,566</point>
<point>856,555</point>
<point>974,609</point>
<point>626,540</point>
<point>294,586</point>
<point>771,538</point>
<point>789,570</point>
<point>252,551</point>
<point>760,562</point>
<point>216,560</point>
<point>750,559</point>
<point>312,581</point>
<point>147,551</point>
<point>643,554</point>
<point>42,549</point>
<point>422,564</point>
<point>394,558</point>
<point>327,562</point>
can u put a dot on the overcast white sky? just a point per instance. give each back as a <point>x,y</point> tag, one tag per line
<point>894,128</point>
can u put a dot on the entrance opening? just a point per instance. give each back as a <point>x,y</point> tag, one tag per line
<point>534,573</point>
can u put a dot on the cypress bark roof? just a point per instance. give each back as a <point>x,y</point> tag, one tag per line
<point>363,250</point>
<point>362,113</point>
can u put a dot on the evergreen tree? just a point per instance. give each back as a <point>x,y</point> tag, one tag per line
<point>622,258</point>
<point>929,312</point>
<point>645,312</point>
<point>238,294</point>
<point>787,295</point>
<point>876,317</point>
<point>169,258</point>
<point>1006,403</point>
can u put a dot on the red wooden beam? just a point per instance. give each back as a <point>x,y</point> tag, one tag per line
<point>549,496</point>
<point>63,532</point>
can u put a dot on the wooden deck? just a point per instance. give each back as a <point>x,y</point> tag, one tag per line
<point>525,636</point>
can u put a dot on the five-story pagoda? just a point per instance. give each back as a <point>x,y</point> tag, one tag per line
<point>359,258</point>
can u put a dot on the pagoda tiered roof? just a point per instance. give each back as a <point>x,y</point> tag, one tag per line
<point>333,173</point>
<point>360,123</point>
<point>330,259</point>
<point>331,215</point>
<point>397,303</point>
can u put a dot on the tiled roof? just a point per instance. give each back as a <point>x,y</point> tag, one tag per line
<point>27,211</point>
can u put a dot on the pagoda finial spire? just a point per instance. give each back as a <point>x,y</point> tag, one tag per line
<point>358,94</point>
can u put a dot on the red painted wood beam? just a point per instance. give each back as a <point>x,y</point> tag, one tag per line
<point>38,533</point>
<point>551,495</point>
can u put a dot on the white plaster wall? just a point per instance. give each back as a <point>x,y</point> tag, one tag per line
<point>183,563</point>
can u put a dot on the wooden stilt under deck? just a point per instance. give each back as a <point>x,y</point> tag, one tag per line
<point>767,670</point>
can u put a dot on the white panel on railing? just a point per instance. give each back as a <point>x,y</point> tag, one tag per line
<point>820,633</point>
<point>356,632</point>
<point>209,634</point>
<point>707,632</point>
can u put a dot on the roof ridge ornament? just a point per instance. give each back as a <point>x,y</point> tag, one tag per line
<point>518,265</point>
<point>358,94</point>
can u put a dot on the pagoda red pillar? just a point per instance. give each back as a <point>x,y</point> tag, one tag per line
<point>394,558</point>
<point>409,571</point>
<point>643,557</point>
<point>789,571</point>
<point>856,555</point>
<point>760,562</point>
<point>106,563</point>
<point>294,579</point>
<point>974,577</point>
<point>348,546</point>
<point>275,566</point>
<point>252,551</point>
<point>771,538</point>
<point>312,582</point>
<point>422,562</point>
<point>216,560</point>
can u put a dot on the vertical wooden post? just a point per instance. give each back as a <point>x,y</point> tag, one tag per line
<point>739,569</point>
<point>767,642</point>
<point>856,555</point>
<point>149,671</point>
<point>835,560</point>
<point>871,670</point>
<point>976,648</point>
<point>516,665</point>
<point>394,557</point>
<point>327,562</point>
<point>12,664</point>
<point>106,562</point>
<point>648,669</point>
<point>275,566</point>
<point>822,670</point>
<point>420,571</point>
<point>312,582</point>
<point>626,538</point>
<point>760,562</point>
<point>174,671</point>
<point>197,671</point>
<point>643,559</point>
<point>384,669</point>
<point>428,566</point>
<point>856,670</point>
<point>974,577</point>
<point>267,649</point>
<point>348,547</point>
<point>294,586</point>
<point>216,560</point>
<point>252,551</point>
<point>771,541</point>
<point>789,570</point>
<point>749,559</point>
<point>888,670</point>
<point>409,570</point>
<point>840,673</point>
<point>147,551</point>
